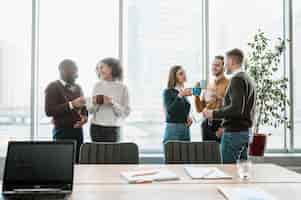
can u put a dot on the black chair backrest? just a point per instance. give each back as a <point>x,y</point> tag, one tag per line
<point>109,153</point>
<point>179,152</point>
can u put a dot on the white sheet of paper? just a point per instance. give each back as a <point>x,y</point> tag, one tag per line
<point>244,193</point>
<point>206,173</point>
<point>155,175</point>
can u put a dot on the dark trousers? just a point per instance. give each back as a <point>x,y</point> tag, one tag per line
<point>209,130</point>
<point>75,134</point>
<point>104,133</point>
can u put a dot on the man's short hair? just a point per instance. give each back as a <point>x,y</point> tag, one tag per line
<point>237,54</point>
<point>67,63</point>
<point>220,57</point>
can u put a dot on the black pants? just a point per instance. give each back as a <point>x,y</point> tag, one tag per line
<point>209,130</point>
<point>104,133</point>
<point>75,134</point>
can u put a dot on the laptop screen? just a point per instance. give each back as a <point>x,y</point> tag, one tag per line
<point>39,165</point>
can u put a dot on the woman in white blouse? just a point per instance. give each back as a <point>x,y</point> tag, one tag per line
<point>110,103</point>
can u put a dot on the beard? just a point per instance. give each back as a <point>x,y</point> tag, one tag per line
<point>218,73</point>
<point>71,79</point>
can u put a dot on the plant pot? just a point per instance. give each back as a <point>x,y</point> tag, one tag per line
<point>257,147</point>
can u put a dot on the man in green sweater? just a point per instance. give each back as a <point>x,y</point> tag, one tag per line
<point>237,112</point>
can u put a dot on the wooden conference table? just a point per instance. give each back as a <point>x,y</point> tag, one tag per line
<point>104,182</point>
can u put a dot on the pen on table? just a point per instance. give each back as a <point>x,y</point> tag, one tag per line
<point>142,181</point>
<point>145,173</point>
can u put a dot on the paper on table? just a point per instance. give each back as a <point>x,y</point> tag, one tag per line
<point>244,193</point>
<point>206,173</point>
<point>149,175</point>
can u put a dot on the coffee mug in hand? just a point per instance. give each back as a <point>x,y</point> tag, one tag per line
<point>196,91</point>
<point>99,99</point>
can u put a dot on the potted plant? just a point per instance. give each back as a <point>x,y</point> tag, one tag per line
<point>262,64</point>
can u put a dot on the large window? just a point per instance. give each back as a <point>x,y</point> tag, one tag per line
<point>85,31</point>
<point>233,23</point>
<point>297,72</point>
<point>15,43</point>
<point>157,35</point>
<point>154,35</point>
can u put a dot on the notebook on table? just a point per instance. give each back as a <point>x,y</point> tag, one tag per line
<point>206,173</point>
<point>244,193</point>
<point>150,175</point>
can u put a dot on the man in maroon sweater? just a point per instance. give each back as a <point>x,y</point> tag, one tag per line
<point>64,102</point>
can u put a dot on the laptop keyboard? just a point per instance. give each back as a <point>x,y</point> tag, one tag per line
<point>37,197</point>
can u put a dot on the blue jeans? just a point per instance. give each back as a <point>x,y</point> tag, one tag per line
<point>234,145</point>
<point>176,131</point>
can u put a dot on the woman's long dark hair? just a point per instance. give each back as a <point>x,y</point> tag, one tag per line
<point>172,77</point>
<point>115,65</point>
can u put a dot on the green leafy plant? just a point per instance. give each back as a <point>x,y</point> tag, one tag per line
<point>262,64</point>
